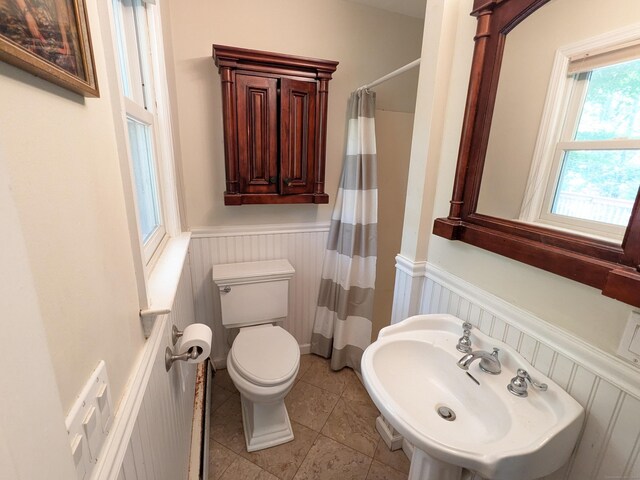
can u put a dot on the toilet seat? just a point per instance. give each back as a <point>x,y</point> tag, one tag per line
<point>265,355</point>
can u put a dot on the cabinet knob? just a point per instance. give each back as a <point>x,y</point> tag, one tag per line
<point>273,179</point>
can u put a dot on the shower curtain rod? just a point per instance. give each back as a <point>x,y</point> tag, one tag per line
<point>388,76</point>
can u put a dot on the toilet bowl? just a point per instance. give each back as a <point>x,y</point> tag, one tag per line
<point>264,359</point>
<point>263,363</point>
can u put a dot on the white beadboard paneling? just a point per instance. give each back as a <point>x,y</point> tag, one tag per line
<point>562,370</point>
<point>151,436</point>
<point>303,245</point>
<point>620,453</point>
<point>528,349</point>
<point>159,446</point>
<point>499,328</point>
<point>409,284</point>
<point>513,337</point>
<point>545,360</point>
<point>608,389</point>
<point>601,414</point>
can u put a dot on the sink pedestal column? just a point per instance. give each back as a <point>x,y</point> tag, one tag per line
<point>425,467</point>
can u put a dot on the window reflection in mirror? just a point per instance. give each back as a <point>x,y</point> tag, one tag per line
<point>574,163</point>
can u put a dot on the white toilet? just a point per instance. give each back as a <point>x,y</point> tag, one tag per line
<point>264,358</point>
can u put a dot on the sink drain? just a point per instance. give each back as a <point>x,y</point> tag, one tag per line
<point>446,413</point>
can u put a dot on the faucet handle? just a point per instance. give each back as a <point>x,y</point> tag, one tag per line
<point>464,342</point>
<point>518,384</point>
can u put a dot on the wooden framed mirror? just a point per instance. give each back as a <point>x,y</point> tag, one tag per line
<point>606,264</point>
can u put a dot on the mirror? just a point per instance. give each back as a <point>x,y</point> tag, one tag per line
<point>595,190</point>
<point>488,194</point>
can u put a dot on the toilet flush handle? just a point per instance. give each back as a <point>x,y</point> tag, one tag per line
<point>226,289</point>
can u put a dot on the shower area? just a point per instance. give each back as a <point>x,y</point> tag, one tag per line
<point>395,106</point>
<point>357,284</point>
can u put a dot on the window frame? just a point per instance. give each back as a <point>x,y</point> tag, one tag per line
<point>149,263</point>
<point>565,97</point>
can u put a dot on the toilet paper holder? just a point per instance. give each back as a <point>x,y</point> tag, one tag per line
<point>176,334</point>
<point>170,358</point>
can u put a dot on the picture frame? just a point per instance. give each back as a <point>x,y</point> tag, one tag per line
<point>50,39</point>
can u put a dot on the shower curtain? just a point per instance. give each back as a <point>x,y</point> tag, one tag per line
<point>342,326</point>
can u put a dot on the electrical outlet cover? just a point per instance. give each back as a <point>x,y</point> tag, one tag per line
<point>629,346</point>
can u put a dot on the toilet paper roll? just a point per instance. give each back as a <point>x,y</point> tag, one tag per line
<point>197,336</point>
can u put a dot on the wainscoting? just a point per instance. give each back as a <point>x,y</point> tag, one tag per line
<point>605,386</point>
<point>303,245</point>
<point>151,435</point>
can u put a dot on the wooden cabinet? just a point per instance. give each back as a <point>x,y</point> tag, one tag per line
<point>275,125</point>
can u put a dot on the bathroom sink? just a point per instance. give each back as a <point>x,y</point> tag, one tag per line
<point>411,372</point>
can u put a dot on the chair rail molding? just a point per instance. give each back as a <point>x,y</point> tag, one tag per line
<point>407,291</point>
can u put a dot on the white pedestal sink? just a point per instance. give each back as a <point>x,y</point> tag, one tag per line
<point>411,372</point>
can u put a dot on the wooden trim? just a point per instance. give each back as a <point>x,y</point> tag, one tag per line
<point>85,85</point>
<point>236,57</point>
<point>612,268</point>
<point>274,198</point>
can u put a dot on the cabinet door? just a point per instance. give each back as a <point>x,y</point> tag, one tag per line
<point>297,136</point>
<point>257,107</point>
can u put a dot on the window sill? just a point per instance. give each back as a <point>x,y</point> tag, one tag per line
<point>162,284</point>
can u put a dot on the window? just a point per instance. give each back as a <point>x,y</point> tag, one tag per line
<point>132,25</point>
<point>594,161</point>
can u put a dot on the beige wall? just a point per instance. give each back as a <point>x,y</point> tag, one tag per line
<point>393,146</point>
<point>366,41</point>
<point>524,77</point>
<point>572,306</point>
<point>64,174</point>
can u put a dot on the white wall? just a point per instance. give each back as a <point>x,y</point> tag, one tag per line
<point>63,170</point>
<point>579,309</point>
<point>367,42</point>
<point>29,397</point>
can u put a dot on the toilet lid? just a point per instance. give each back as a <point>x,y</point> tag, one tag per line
<point>266,355</point>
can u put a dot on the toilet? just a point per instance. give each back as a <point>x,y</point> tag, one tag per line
<point>264,358</point>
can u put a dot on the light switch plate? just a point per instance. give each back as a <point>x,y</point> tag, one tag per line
<point>629,346</point>
<point>88,421</point>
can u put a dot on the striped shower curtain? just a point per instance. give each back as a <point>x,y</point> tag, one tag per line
<point>342,327</point>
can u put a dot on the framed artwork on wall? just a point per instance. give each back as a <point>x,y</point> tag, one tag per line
<point>50,39</point>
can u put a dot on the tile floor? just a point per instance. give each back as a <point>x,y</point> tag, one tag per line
<point>333,422</point>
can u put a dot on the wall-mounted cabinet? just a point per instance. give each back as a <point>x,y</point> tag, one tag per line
<point>275,125</point>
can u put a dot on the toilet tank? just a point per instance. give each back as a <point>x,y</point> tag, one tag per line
<point>252,293</point>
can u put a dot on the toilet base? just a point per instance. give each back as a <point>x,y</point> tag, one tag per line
<point>265,424</point>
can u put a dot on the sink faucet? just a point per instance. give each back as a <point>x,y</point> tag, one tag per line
<point>464,342</point>
<point>488,361</point>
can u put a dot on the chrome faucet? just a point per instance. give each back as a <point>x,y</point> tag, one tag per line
<point>464,342</point>
<point>488,361</point>
<point>518,385</point>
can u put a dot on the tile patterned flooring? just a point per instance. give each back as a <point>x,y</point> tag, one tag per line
<point>333,421</point>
